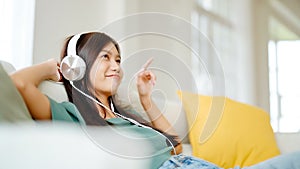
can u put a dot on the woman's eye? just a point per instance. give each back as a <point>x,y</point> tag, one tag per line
<point>118,60</point>
<point>105,56</point>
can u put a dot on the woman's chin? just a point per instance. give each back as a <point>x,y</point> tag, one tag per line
<point>114,89</point>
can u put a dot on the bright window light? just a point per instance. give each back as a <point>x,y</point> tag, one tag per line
<point>17,27</point>
<point>284,59</point>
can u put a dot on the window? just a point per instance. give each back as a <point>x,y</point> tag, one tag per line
<point>212,18</point>
<point>233,27</point>
<point>17,25</point>
<point>284,60</point>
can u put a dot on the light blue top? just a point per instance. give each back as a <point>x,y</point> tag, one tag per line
<point>67,111</point>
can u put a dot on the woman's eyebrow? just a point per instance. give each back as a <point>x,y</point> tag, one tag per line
<point>109,52</point>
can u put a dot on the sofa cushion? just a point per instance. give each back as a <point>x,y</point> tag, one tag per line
<point>226,132</point>
<point>55,90</point>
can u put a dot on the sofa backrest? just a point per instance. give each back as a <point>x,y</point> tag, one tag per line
<point>55,90</point>
<point>7,66</point>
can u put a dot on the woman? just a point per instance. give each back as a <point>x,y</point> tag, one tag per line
<point>94,97</point>
<point>103,75</point>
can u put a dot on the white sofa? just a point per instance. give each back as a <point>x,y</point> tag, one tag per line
<point>44,145</point>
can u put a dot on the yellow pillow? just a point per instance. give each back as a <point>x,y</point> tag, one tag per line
<point>226,132</point>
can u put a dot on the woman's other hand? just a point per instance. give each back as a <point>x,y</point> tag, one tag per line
<point>54,73</point>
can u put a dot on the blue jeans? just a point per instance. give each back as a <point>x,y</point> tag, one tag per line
<point>286,161</point>
<point>187,162</point>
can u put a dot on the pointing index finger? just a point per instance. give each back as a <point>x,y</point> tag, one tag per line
<point>146,65</point>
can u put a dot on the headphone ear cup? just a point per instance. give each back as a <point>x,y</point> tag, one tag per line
<point>73,67</point>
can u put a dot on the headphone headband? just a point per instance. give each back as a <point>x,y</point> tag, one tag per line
<point>71,49</point>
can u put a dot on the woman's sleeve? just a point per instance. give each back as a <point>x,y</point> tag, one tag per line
<point>65,111</point>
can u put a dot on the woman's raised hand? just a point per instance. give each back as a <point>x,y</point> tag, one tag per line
<point>145,80</point>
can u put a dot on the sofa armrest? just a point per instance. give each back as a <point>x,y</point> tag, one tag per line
<point>288,142</point>
<point>59,145</point>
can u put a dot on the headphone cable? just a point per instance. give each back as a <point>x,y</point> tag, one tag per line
<point>123,117</point>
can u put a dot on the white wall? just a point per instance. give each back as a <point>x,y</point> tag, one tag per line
<point>171,57</point>
<point>56,19</point>
<point>252,76</point>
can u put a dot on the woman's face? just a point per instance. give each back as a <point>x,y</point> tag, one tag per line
<point>106,73</point>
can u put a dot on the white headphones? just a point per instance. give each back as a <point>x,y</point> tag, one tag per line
<point>73,66</point>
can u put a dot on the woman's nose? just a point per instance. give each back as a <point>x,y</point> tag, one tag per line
<point>115,65</point>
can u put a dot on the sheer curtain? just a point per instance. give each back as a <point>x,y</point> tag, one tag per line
<point>17,28</point>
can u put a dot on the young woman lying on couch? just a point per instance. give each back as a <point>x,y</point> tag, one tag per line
<point>91,69</point>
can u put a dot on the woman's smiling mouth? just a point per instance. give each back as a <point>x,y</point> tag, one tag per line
<point>113,76</point>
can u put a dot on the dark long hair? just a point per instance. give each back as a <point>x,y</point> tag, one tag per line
<point>88,46</point>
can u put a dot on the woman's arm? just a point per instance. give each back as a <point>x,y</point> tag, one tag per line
<point>158,120</point>
<point>145,82</point>
<point>27,81</point>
